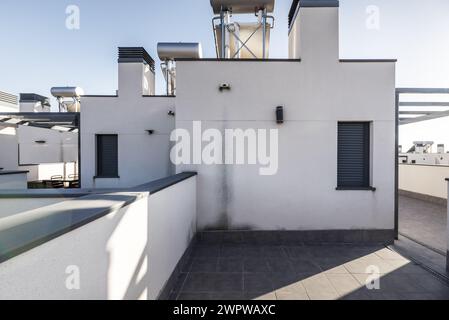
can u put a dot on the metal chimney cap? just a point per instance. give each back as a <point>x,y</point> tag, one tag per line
<point>241,6</point>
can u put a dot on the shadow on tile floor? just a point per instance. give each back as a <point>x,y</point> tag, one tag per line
<point>303,272</point>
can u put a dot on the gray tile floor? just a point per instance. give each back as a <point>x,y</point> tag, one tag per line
<point>424,222</point>
<point>303,272</point>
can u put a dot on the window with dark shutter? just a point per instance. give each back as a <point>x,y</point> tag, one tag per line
<point>107,156</point>
<point>353,155</point>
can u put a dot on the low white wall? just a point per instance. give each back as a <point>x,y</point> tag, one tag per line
<point>9,156</point>
<point>129,254</point>
<point>16,181</point>
<point>428,180</point>
<point>48,170</point>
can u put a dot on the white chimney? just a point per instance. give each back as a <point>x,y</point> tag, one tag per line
<point>31,102</point>
<point>314,30</point>
<point>135,72</point>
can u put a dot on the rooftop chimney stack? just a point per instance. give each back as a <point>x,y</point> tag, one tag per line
<point>314,30</point>
<point>136,75</point>
<point>31,102</point>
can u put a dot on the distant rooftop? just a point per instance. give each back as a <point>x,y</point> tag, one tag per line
<point>8,98</point>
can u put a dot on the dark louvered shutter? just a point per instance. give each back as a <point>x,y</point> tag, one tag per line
<point>107,155</point>
<point>353,154</point>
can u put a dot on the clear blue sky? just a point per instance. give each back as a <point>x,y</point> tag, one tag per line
<point>39,52</point>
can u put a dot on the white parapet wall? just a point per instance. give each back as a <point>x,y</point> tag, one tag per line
<point>428,180</point>
<point>129,253</point>
<point>13,180</point>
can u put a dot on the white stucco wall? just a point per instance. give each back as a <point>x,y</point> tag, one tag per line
<point>58,146</point>
<point>316,93</point>
<point>125,255</point>
<point>424,179</point>
<point>141,157</point>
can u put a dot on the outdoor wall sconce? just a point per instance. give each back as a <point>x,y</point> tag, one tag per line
<point>41,141</point>
<point>280,115</point>
<point>150,132</point>
<point>171,113</point>
<point>224,86</point>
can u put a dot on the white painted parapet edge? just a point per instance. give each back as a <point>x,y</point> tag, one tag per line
<point>128,252</point>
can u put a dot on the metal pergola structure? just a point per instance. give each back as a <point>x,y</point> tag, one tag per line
<point>59,121</point>
<point>419,110</point>
<point>68,121</point>
<point>422,110</point>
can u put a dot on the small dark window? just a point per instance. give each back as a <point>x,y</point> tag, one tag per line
<point>353,154</point>
<point>107,156</point>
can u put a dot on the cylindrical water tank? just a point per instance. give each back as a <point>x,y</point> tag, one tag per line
<point>67,92</point>
<point>179,50</point>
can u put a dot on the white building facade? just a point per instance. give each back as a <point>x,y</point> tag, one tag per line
<point>322,98</point>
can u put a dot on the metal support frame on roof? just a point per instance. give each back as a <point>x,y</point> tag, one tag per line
<point>424,112</point>
<point>225,30</point>
<point>48,120</point>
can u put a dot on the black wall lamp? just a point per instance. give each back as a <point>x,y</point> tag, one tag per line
<point>150,132</point>
<point>280,115</point>
<point>41,141</point>
<point>171,113</point>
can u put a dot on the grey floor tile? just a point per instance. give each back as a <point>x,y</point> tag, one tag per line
<point>319,287</point>
<point>298,252</point>
<point>274,252</point>
<point>280,265</point>
<point>179,282</point>
<point>227,296</point>
<point>213,282</point>
<point>253,251</point>
<point>231,250</point>
<point>285,295</point>
<point>204,265</point>
<point>255,265</point>
<point>399,283</point>
<point>234,265</point>
<point>344,283</point>
<point>257,282</point>
<point>284,280</point>
<point>206,251</point>
<point>305,266</point>
<point>200,296</point>
<point>423,221</point>
<point>260,296</point>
